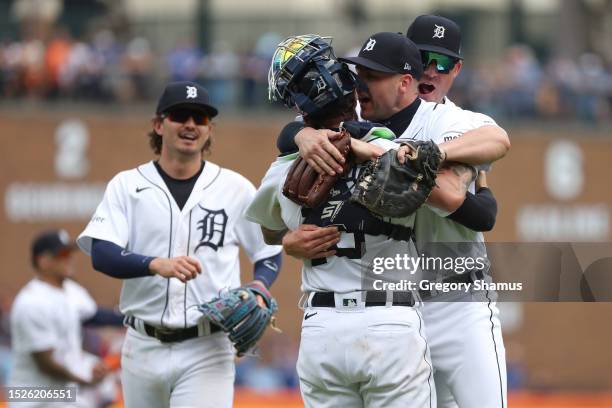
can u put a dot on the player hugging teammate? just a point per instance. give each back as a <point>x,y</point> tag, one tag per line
<point>464,333</point>
<point>353,349</point>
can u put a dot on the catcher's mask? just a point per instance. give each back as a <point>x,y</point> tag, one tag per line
<point>305,73</point>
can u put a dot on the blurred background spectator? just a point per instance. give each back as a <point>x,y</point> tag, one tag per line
<point>114,59</point>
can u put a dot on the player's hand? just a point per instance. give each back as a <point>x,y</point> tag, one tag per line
<point>183,268</point>
<point>311,242</point>
<point>260,300</point>
<point>481,180</point>
<point>402,152</point>
<point>316,149</point>
<point>98,372</point>
<point>363,151</point>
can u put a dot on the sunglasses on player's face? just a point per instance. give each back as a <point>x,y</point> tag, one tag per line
<point>183,115</point>
<point>443,63</point>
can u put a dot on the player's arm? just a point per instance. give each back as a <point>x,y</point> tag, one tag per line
<point>105,317</point>
<point>266,270</point>
<point>307,242</point>
<point>474,211</point>
<point>452,184</point>
<point>311,242</point>
<point>479,211</point>
<point>314,146</point>
<point>481,145</point>
<point>285,142</point>
<point>46,363</point>
<point>112,260</point>
<point>273,237</point>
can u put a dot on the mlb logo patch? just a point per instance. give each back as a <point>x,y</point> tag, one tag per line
<point>349,302</point>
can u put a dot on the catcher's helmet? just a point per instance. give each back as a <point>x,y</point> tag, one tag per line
<point>305,73</point>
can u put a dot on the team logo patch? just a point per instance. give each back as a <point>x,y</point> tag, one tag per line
<point>192,92</point>
<point>439,31</point>
<point>370,45</point>
<point>332,209</point>
<point>349,302</point>
<point>212,226</point>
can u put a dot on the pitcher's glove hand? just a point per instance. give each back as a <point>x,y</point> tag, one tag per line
<point>238,313</point>
<point>305,187</point>
<point>392,189</point>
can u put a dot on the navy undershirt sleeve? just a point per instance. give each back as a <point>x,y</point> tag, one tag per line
<point>266,270</point>
<point>112,260</point>
<point>286,139</point>
<point>478,212</point>
<point>105,317</point>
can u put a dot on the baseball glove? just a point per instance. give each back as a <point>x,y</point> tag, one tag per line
<point>391,189</point>
<point>237,312</point>
<point>304,186</point>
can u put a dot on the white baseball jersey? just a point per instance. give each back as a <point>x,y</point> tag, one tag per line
<point>45,317</point>
<point>349,354</point>
<point>475,377</point>
<point>274,211</point>
<point>138,213</point>
<point>442,123</point>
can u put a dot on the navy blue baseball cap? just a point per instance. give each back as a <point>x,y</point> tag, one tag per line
<point>52,242</point>
<point>389,52</point>
<point>187,94</point>
<point>436,34</point>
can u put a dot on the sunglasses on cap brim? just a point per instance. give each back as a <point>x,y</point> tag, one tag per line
<point>182,116</point>
<point>443,63</point>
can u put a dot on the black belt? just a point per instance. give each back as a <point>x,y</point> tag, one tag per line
<point>170,335</point>
<point>459,278</point>
<point>372,298</point>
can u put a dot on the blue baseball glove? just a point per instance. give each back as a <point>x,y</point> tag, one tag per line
<point>239,314</point>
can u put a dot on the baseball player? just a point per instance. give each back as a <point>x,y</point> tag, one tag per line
<point>171,230</point>
<point>353,342</point>
<point>46,319</point>
<point>475,377</point>
<point>412,118</point>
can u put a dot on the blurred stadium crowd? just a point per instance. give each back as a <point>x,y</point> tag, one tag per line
<point>105,69</point>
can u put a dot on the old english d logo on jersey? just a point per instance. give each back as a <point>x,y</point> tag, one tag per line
<point>212,226</point>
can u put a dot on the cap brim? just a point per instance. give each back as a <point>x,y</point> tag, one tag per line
<point>440,50</point>
<point>209,110</point>
<point>364,62</point>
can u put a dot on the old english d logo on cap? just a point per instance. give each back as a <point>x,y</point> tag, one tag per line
<point>389,52</point>
<point>192,92</point>
<point>370,45</point>
<point>439,31</point>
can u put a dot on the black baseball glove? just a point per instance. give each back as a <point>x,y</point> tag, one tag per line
<point>391,189</point>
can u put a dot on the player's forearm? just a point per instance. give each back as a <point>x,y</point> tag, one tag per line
<point>105,317</point>
<point>273,237</point>
<point>285,143</point>
<point>45,363</point>
<point>452,184</point>
<point>114,261</point>
<point>266,270</point>
<point>364,151</point>
<point>482,145</point>
<point>478,212</point>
